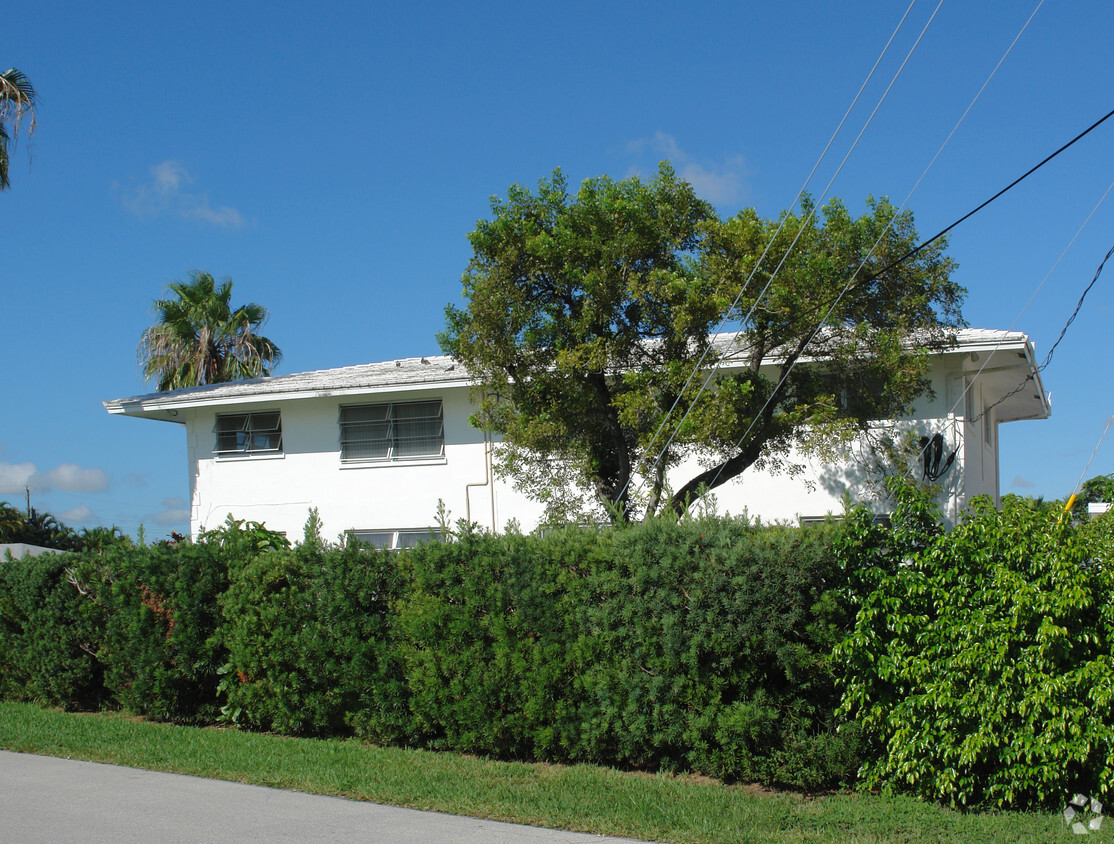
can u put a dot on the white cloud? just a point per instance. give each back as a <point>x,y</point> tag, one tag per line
<point>167,193</point>
<point>720,184</point>
<point>68,477</point>
<point>1022,483</point>
<point>72,478</point>
<point>80,514</point>
<point>175,513</point>
<point>15,476</point>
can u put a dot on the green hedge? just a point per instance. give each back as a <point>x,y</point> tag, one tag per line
<point>489,636</point>
<point>972,666</point>
<point>699,645</point>
<point>51,630</point>
<point>311,647</point>
<point>160,652</point>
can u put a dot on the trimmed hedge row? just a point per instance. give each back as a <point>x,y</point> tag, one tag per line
<point>698,645</point>
<point>973,666</point>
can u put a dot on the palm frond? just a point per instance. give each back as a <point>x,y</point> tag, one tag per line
<point>17,101</point>
<point>198,338</point>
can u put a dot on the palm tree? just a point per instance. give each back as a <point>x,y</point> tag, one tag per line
<point>198,338</point>
<point>11,522</point>
<point>17,100</point>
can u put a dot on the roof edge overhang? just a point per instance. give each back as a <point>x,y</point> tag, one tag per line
<point>166,406</point>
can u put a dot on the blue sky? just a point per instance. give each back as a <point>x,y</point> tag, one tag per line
<point>331,158</point>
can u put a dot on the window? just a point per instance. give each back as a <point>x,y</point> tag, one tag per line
<point>857,395</point>
<point>396,539</point>
<point>400,431</point>
<point>249,433</point>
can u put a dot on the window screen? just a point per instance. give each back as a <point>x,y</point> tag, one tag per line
<point>392,431</point>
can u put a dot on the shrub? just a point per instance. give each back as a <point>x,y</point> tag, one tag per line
<point>981,667</point>
<point>309,643</point>
<point>708,652</point>
<point>50,632</point>
<point>490,643</point>
<point>695,645</point>
<point>159,652</point>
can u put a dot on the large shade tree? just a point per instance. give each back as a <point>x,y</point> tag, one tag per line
<point>17,102</point>
<point>199,339</point>
<point>586,314</point>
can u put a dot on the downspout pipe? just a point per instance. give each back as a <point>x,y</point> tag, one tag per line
<point>487,481</point>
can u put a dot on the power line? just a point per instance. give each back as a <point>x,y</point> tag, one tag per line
<point>1079,483</point>
<point>970,383</point>
<point>1048,358</point>
<point>975,210</point>
<point>800,230</point>
<point>769,245</point>
<point>910,253</point>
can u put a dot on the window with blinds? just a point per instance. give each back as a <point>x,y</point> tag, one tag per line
<point>399,431</point>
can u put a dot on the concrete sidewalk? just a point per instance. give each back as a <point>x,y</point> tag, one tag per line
<point>45,799</point>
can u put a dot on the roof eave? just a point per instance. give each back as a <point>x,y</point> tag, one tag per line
<point>173,401</point>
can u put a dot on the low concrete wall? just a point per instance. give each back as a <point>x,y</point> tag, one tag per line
<point>19,550</point>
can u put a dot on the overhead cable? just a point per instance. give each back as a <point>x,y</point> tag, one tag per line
<point>1078,484</point>
<point>1048,358</point>
<point>800,230</point>
<point>912,252</point>
<point>769,245</point>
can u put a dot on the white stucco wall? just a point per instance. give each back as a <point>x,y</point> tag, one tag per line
<point>280,489</point>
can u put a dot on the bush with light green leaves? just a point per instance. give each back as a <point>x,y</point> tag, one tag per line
<point>980,667</point>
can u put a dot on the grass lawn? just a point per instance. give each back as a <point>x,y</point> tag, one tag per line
<point>575,797</point>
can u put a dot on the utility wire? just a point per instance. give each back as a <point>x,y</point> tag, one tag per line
<point>800,230</point>
<point>970,383</point>
<point>1079,483</point>
<point>1048,358</point>
<point>766,250</point>
<point>974,211</point>
<point>915,250</point>
<point>892,264</point>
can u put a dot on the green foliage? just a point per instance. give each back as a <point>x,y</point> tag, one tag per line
<point>562,292</point>
<point>707,651</point>
<point>980,667</point>
<point>586,315</point>
<point>490,640</point>
<point>1099,489</point>
<point>310,645</point>
<point>240,541</point>
<point>160,653</point>
<point>17,102</point>
<point>50,632</point>
<point>42,529</point>
<point>133,626</point>
<point>698,645</point>
<point>199,339</point>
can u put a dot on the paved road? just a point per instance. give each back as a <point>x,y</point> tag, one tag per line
<point>44,799</point>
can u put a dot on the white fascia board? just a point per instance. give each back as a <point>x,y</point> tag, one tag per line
<point>148,405</point>
<point>1019,342</point>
